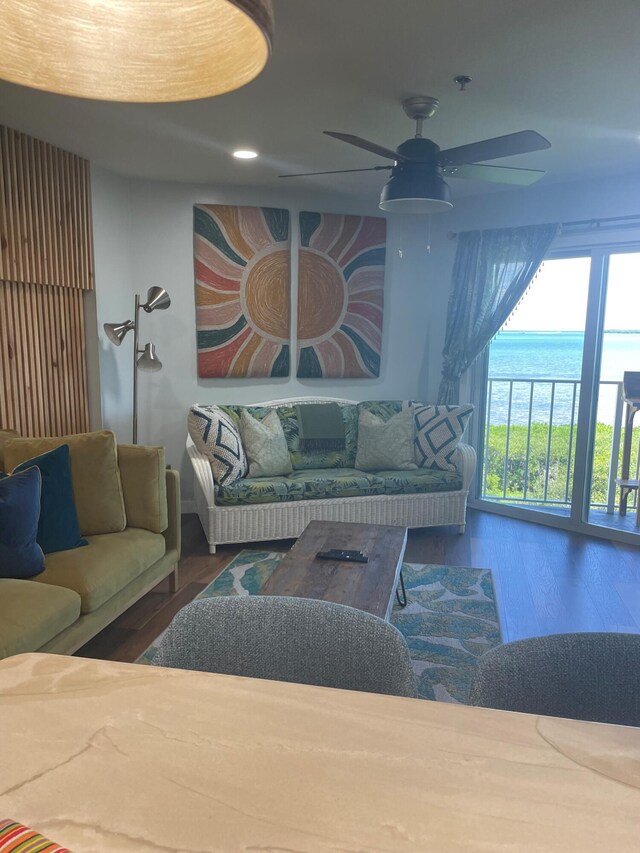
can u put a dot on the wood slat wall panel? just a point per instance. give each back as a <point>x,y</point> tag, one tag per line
<point>42,364</point>
<point>45,214</point>
<point>46,263</point>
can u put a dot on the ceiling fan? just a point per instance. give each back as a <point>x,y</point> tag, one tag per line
<point>417,184</point>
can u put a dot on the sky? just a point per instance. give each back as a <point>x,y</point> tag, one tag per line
<point>557,298</point>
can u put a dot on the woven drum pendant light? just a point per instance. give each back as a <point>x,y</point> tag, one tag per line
<point>141,51</point>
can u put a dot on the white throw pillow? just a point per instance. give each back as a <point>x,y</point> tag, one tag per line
<point>386,445</point>
<point>217,437</point>
<point>438,433</point>
<point>265,445</point>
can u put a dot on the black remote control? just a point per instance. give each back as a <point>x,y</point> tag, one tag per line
<point>341,555</point>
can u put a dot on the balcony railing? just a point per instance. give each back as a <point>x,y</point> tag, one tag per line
<point>530,432</point>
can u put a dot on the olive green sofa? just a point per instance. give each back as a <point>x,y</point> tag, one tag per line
<point>83,590</point>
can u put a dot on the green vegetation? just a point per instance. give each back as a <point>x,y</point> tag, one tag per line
<point>558,459</point>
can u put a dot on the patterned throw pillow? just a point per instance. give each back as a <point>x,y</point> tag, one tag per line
<point>386,445</point>
<point>438,433</point>
<point>16,837</point>
<point>216,436</point>
<point>265,445</point>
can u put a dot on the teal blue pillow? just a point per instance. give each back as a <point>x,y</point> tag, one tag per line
<point>58,528</point>
<point>20,554</point>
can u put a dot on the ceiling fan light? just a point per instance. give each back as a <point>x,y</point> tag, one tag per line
<point>416,194</point>
<point>144,51</point>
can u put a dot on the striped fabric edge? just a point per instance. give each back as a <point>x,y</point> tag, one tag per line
<point>17,838</point>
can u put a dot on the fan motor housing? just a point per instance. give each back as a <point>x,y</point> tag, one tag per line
<point>419,150</point>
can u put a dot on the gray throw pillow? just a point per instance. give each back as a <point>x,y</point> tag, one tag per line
<point>386,445</point>
<point>265,445</point>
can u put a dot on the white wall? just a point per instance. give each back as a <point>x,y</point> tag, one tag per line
<point>144,237</point>
<point>114,300</point>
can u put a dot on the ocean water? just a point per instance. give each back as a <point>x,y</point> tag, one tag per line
<point>555,355</point>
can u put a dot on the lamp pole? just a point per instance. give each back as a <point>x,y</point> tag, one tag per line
<point>135,369</point>
<point>143,359</point>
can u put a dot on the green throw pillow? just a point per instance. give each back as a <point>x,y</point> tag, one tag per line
<point>265,445</point>
<point>386,445</point>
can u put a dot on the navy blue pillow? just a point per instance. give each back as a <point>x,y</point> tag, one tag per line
<point>20,555</point>
<point>58,528</point>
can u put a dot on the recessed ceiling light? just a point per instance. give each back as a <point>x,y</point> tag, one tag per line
<point>245,154</point>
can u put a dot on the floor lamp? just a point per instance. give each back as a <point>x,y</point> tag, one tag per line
<point>143,359</point>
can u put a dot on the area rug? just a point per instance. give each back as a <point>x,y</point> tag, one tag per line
<point>450,620</point>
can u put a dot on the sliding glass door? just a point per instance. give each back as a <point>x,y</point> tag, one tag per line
<point>550,436</point>
<point>620,353</point>
<point>533,392</point>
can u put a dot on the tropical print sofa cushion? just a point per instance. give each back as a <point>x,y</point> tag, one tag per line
<point>303,460</point>
<point>439,430</point>
<point>322,483</point>
<point>235,412</point>
<point>259,490</point>
<point>419,481</point>
<point>342,483</point>
<point>440,457</point>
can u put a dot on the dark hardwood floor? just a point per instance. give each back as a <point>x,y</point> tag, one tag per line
<point>547,580</point>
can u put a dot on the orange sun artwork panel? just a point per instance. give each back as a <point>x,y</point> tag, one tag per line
<point>242,279</point>
<point>341,263</point>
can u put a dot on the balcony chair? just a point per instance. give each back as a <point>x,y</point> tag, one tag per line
<point>584,676</point>
<point>289,639</point>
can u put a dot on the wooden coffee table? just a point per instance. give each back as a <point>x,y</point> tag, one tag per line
<point>367,586</point>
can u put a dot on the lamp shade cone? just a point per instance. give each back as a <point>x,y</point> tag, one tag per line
<point>145,51</point>
<point>416,190</point>
<point>149,361</point>
<point>116,331</point>
<point>157,300</point>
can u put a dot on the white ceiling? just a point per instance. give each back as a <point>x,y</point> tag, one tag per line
<point>566,68</point>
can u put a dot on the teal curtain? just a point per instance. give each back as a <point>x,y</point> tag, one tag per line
<point>491,271</point>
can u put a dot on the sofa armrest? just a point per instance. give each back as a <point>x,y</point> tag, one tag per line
<point>203,475</point>
<point>173,533</point>
<point>465,462</point>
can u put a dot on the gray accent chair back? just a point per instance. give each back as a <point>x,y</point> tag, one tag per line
<point>585,676</point>
<point>289,639</point>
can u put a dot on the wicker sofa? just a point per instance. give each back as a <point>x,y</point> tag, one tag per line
<point>285,518</point>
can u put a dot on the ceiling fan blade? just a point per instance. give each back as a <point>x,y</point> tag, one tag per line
<point>492,149</point>
<point>359,142</point>
<point>496,174</point>
<point>337,172</point>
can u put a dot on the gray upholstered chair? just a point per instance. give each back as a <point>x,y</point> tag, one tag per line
<point>583,676</point>
<point>289,639</point>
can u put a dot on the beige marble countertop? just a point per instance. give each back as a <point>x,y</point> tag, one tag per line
<point>103,756</point>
